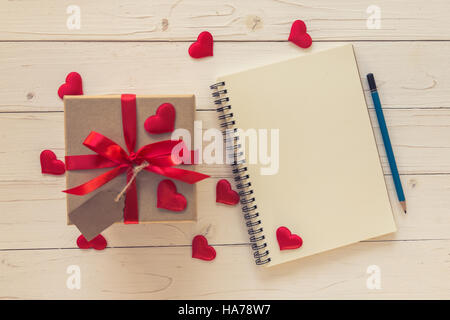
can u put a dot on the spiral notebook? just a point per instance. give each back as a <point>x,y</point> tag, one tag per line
<point>329,187</point>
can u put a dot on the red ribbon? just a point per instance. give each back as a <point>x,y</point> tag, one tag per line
<point>111,155</point>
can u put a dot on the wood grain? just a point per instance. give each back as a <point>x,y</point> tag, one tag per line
<point>419,138</point>
<point>32,72</point>
<point>127,20</point>
<point>171,273</point>
<point>39,220</point>
<point>141,47</point>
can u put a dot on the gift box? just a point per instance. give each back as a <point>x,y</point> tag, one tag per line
<point>107,143</point>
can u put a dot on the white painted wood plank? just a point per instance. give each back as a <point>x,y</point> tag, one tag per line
<point>419,137</point>
<point>230,20</point>
<point>34,214</point>
<point>409,270</point>
<point>38,220</point>
<point>409,74</point>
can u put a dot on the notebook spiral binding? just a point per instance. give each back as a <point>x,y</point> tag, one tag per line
<point>241,177</point>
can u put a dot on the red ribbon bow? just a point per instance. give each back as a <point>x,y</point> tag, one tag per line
<point>110,155</point>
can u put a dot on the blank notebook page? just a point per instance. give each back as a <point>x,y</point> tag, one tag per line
<point>329,188</point>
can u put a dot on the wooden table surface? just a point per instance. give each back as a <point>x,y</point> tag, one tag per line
<point>141,47</point>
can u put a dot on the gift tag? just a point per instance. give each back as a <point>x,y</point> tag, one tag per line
<point>97,214</point>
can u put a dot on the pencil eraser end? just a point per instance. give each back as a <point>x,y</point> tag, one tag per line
<point>371,80</point>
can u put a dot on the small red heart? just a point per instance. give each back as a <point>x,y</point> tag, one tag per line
<point>201,250</point>
<point>287,240</point>
<point>50,164</point>
<point>299,36</point>
<point>98,243</point>
<point>169,198</point>
<point>72,87</point>
<point>163,121</point>
<point>224,193</point>
<point>203,47</point>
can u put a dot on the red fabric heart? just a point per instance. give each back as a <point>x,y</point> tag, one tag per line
<point>163,121</point>
<point>224,193</point>
<point>287,240</point>
<point>203,47</point>
<point>201,250</point>
<point>169,198</point>
<point>72,87</point>
<point>98,243</point>
<point>50,164</point>
<point>299,36</point>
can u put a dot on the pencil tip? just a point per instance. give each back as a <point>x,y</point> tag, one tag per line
<point>403,204</point>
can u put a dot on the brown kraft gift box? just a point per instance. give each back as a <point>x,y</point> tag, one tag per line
<point>102,114</point>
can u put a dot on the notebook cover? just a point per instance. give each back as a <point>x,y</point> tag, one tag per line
<point>329,187</point>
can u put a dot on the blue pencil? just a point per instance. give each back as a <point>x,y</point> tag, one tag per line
<point>386,141</point>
